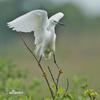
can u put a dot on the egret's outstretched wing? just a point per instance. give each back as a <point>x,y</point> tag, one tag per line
<point>56,17</point>
<point>33,21</point>
<point>29,22</point>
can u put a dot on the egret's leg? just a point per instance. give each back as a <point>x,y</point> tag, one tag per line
<point>40,59</point>
<point>54,58</point>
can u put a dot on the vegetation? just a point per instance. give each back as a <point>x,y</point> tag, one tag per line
<point>12,80</point>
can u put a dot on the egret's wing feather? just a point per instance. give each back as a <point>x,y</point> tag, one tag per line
<point>56,17</point>
<point>31,21</point>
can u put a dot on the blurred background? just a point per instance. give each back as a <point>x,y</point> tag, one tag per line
<point>77,46</point>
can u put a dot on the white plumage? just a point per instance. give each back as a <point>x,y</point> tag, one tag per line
<point>43,28</point>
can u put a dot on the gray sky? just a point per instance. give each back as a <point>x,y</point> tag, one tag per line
<point>89,7</point>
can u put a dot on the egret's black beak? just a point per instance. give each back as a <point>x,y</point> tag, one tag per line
<point>60,23</point>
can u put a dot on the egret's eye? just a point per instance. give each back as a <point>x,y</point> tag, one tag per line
<point>55,22</point>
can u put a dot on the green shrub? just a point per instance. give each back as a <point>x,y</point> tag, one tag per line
<point>78,91</point>
<point>13,79</point>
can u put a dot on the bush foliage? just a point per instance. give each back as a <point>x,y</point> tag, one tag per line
<point>12,80</point>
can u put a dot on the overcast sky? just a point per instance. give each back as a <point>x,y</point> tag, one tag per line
<point>89,7</point>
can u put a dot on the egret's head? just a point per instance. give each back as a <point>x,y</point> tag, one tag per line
<point>55,19</point>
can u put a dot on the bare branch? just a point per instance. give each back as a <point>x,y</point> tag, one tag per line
<point>52,77</point>
<point>50,88</point>
<point>60,72</point>
<point>44,74</point>
<point>67,85</point>
<point>90,97</point>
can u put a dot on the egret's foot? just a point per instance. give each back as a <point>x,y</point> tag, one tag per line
<point>40,59</point>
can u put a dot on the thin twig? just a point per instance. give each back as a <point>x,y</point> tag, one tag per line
<point>30,50</point>
<point>67,85</point>
<point>60,72</point>
<point>90,97</point>
<point>44,74</point>
<point>52,77</point>
<point>50,88</point>
<point>93,98</point>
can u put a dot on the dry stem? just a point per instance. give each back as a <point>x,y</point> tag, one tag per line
<point>60,72</point>
<point>44,74</point>
<point>67,85</point>
<point>52,77</point>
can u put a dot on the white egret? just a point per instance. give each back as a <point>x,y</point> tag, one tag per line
<point>43,28</point>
